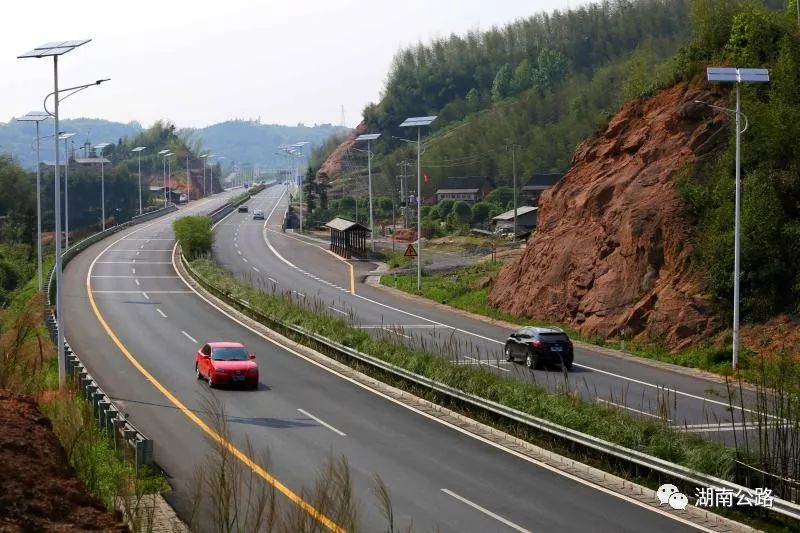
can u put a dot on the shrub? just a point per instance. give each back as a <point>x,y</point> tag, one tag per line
<point>194,235</point>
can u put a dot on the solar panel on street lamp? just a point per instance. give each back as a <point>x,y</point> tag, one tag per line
<point>37,117</point>
<point>369,137</point>
<point>55,49</point>
<point>738,76</point>
<point>418,122</point>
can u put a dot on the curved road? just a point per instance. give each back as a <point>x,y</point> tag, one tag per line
<point>274,260</point>
<point>136,326</point>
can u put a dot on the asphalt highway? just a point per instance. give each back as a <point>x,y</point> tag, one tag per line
<point>136,326</point>
<point>284,261</point>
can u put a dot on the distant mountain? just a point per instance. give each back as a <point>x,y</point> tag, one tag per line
<point>240,141</point>
<point>19,138</point>
<point>250,142</point>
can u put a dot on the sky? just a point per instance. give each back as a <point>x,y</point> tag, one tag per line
<point>200,63</point>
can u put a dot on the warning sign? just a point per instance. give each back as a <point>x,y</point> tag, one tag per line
<point>410,251</point>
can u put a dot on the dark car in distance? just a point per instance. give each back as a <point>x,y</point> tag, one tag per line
<point>539,346</point>
<point>243,209</point>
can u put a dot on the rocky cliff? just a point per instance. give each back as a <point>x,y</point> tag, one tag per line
<point>333,165</point>
<point>613,245</point>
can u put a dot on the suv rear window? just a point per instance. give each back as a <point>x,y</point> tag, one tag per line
<point>553,337</point>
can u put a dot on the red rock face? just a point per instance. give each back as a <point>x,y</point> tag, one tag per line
<point>333,164</point>
<point>612,249</point>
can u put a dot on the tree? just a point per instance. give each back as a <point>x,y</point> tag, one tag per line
<point>322,189</point>
<point>501,196</point>
<point>522,77</point>
<point>310,189</point>
<point>501,87</point>
<point>444,207</point>
<point>480,213</point>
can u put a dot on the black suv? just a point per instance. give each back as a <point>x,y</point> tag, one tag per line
<point>243,209</point>
<point>539,347</point>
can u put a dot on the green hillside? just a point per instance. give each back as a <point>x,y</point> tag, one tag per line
<point>548,82</point>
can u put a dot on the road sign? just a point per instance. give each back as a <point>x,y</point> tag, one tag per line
<point>410,251</point>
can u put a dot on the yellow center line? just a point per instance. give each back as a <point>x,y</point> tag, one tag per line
<point>229,446</point>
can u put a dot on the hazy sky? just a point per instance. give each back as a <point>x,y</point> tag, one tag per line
<point>198,63</point>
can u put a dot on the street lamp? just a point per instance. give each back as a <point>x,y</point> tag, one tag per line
<point>37,117</point>
<point>138,151</point>
<point>164,154</point>
<point>64,137</point>
<point>369,137</point>
<point>55,49</point>
<point>418,122</point>
<point>204,157</point>
<point>737,76</point>
<point>99,148</point>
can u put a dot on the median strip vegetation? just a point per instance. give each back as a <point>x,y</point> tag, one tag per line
<point>653,437</point>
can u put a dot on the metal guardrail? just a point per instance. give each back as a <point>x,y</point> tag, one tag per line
<point>654,464</point>
<point>107,413</point>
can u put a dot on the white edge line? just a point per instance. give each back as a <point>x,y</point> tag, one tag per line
<point>609,402</point>
<point>309,415</point>
<point>484,440</point>
<point>337,310</point>
<point>487,512</point>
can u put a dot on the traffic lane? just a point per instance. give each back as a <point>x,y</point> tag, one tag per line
<point>140,402</point>
<point>393,442</point>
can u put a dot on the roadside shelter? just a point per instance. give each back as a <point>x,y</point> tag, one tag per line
<point>347,237</point>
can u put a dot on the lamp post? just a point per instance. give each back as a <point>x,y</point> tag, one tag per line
<point>37,117</point>
<point>56,49</point>
<point>369,137</point>
<point>419,122</point>
<point>64,137</point>
<point>211,172</point>
<point>99,148</point>
<point>188,179</point>
<point>164,154</point>
<point>738,76</point>
<point>138,151</point>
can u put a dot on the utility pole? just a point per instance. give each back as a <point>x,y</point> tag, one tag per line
<point>514,172</point>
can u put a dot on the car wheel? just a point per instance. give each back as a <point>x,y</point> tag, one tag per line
<point>509,356</point>
<point>568,365</point>
<point>197,373</point>
<point>532,361</point>
<point>210,380</point>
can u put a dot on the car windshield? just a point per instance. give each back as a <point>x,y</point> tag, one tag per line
<point>229,354</point>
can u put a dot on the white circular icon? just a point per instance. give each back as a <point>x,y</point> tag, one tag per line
<point>665,491</point>
<point>678,501</point>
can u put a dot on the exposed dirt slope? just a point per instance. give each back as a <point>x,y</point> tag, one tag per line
<point>39,491</point>
<point>612,248</point>
<point>333,165</point>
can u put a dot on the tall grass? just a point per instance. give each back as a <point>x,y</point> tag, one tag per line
<point>28,367</point>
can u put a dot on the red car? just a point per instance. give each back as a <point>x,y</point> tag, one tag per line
<point>226,363</point>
